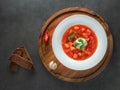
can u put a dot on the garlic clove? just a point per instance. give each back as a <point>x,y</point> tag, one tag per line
<point>53,65</point>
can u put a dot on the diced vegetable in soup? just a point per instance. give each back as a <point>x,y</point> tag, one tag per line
<point>79,42</point>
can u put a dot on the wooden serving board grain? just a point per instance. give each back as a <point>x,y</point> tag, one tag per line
<point>47,55</point>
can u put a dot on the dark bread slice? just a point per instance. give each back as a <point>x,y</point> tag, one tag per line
<point>13,66</point>
<point>20,57</point>
<point>25,63</point>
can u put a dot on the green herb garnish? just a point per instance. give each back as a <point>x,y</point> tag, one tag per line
<point>80,43</point>
<point>71,36</point>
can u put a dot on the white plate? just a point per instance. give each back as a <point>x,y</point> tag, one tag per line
<point>57,44</point>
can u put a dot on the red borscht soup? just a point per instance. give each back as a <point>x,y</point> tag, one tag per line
<point>79,42</point>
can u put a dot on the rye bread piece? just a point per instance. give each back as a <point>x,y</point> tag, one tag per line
<point>20,58</point>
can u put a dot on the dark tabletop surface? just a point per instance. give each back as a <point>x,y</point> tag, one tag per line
<point>20,24</point>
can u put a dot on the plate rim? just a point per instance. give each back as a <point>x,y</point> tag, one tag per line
<point>72,64</point>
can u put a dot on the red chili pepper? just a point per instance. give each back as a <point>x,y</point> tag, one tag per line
<point>46,36</point>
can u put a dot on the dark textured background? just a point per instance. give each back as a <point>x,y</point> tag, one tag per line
<point>20,23</point>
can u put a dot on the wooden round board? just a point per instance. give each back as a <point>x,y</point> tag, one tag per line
<point>47,55</point>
